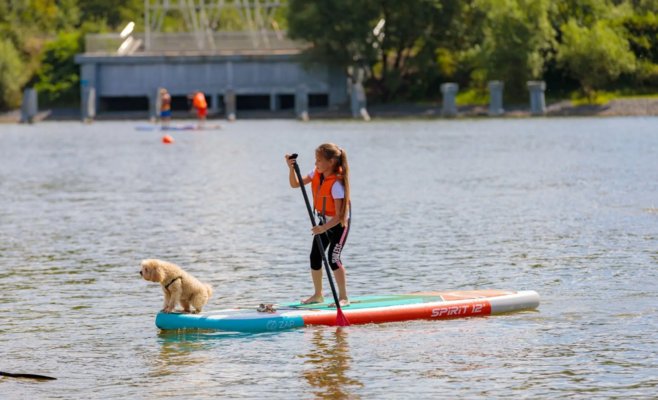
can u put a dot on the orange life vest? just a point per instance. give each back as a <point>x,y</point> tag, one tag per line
<point>199,100</point>
<point>323,192</point>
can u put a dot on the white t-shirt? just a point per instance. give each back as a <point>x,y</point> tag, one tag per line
<point>337,190</point>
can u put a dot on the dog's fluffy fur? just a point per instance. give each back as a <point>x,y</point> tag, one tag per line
<point>178,286</point>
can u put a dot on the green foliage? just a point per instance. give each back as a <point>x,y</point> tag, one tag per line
<point>599,98</point>
<point>646,75</point>
<point>401,58</point>
<point>340,30</point>
<point>517,38</point>
<point>642,31</point>
<point>473,97</point>
<point>68,15</point>
<point>11,77</point>
<point>594,56</point>
<point>58,77</point>
<point>584,12</point>
<point>116,13</point>
<point>644,6</point>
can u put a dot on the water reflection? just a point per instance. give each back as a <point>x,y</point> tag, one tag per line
<point>328,365</point>
<point>179,348</point>
<point>185,337</point>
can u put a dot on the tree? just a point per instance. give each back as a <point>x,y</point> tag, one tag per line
<point>516,44</point>
<point>115,13</point>
<point>643,35</point>
<point>642,32</point>
<point>594,56</point>
<point>11,76</point>
<point>339,31</point>
<point>395,44</point>
<point>58,77</point>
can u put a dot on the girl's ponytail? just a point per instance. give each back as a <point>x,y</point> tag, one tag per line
<point>344,171</point>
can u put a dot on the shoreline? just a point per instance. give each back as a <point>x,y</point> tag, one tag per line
<point>615,108</point>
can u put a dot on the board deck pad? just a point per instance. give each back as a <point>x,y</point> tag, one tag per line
<point>369,302</point>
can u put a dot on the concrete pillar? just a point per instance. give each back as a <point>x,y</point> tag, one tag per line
<point>359,102</point>
<point>88,103</point>
<point>230,103</point>
<point>496,98</point>
<point>30,105</point>
<point>301,103</point>
<point>449,106</point>
<point>274,102</point>
<point>157,104</point>
<point>154,104</point>
<point>537,102</point>
<point>357,93</point>
<point>88,74</point>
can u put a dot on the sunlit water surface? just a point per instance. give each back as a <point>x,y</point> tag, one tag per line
<point>566,207</point>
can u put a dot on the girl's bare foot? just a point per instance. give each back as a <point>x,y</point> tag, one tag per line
<point>313,300</point>
<point>343,303</point>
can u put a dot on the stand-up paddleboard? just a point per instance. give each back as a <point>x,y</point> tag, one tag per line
<point>189,127</point>
<point>362,310</point>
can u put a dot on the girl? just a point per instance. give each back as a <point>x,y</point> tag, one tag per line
<point>331,200</point>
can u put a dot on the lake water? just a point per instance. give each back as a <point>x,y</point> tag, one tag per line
<point>566,207</point>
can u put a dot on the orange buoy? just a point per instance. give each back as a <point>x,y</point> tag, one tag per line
<point>166,139</point>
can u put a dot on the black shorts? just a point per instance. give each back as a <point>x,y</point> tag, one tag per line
<point>335,238</point>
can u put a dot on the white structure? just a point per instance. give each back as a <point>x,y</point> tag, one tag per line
<point>256,69</point>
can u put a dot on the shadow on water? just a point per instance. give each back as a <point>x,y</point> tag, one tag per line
<point>27,376</point>
<point>329,361</point>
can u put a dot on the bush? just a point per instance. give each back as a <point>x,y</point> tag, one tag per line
<point>58,77</point>
<point>594,56</point>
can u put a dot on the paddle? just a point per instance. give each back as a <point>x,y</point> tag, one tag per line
<point>341,320</point>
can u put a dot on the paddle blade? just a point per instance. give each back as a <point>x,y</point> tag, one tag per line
<point>341,319</point>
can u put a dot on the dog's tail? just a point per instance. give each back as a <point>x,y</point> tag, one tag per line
<point>209,290</point>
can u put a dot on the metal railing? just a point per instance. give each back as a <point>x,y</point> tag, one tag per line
<point>188,42</point>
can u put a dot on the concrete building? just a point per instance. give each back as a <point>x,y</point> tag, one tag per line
<point>263,77</point>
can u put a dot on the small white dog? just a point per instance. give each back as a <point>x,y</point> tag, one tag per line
<point>178,286</point>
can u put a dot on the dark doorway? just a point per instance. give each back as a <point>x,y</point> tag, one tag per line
<point>180,103</point>
<point>124,103</point>
<point>286,101</point>
<point>253,102</point>
<point>318,100</point>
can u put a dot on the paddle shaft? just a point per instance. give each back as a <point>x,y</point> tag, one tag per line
<point>318,239</point>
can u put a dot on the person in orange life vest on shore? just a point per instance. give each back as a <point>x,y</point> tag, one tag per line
<point>201,106</point>
<point>331,192</point>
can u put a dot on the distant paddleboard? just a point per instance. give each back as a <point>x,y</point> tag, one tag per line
<point>189,127</point>
<point>362,310</point>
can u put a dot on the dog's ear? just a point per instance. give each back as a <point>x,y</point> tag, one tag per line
<point>157,274</point>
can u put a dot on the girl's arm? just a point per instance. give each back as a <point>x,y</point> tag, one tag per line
<point>335,220</point>
<point>294,183</point>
